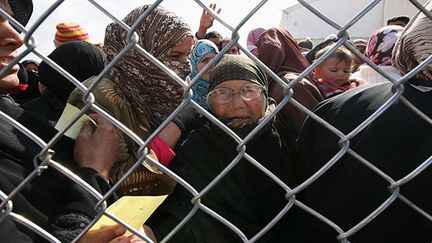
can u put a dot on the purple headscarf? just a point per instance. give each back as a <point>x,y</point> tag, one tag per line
<point>380,45</point>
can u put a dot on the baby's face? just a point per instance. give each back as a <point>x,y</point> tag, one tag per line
<point>334,71</point>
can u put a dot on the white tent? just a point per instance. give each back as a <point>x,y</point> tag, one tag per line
<point>302,23</point>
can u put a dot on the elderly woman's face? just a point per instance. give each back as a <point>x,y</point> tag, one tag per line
<point>10,41</point>
<point>239,100</point>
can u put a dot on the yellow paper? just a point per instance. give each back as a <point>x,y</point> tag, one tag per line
<point>68,113</point>
<point>133,210</point>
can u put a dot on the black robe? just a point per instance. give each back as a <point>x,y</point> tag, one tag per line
<point>51,200</point>
<point>397,143</point>
<point>245,196</point>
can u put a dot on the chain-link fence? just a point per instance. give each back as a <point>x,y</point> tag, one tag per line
<point>44,157</point>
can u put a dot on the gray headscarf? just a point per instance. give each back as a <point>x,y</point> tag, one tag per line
<point>22,10</point>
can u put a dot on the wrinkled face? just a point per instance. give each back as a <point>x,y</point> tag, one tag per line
<point>239,109</point>
<point>334,71</point>
<point>10,41</point>
<point>204,61</point>
<point>180,52</point>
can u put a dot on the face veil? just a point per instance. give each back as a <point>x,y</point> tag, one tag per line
<point>152,93</point>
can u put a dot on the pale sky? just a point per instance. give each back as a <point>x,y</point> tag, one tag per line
<point>84,13</point>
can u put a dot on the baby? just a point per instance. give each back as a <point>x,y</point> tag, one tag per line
<point>334,73</point>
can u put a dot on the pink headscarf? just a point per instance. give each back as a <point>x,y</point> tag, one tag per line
<point>252,40</point>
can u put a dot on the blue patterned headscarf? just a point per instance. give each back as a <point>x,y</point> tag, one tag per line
<point>200,87</point>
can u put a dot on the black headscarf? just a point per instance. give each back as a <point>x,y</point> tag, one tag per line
<point>81,59</point>
<point>236,67</point>
<point>22,10</point>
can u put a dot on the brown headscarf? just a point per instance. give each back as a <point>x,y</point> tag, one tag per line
<point>415,46</point>
<point>152,93</point>
<point>280,52</point>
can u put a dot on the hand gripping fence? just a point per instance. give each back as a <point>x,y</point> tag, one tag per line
<point>44,159</point>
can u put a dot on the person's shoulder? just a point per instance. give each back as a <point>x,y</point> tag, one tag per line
<point>75,96</point>
<point>304,82</point>
<point>190,151</point>
<point>364,97</point>
<point>104,94</point>
<point>364,68</point>
<point>291,76</point>
<point>104,83</point>
<point>372,91</point>
<point>196,137</point>
<point>365,72</point>
<point>9,107</point>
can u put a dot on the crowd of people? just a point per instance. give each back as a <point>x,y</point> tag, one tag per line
<point>272,145</point>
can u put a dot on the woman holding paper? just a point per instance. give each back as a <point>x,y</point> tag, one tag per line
<point>141,95</point>
<point>50,200</point>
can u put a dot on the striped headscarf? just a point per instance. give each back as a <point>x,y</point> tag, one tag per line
<point>200,86</point>
<point>415,46</point>
<point>152,93</point>
<point>252,40</point>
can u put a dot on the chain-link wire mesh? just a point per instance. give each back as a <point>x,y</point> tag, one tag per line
<point>44,158</point>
